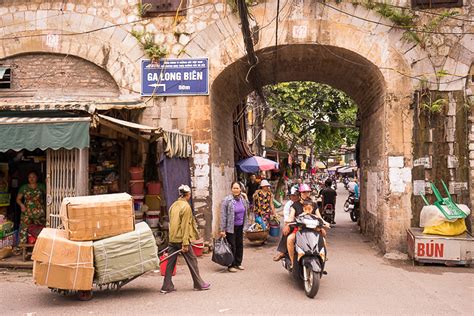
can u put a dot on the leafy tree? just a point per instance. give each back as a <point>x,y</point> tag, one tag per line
<point>312,114</point>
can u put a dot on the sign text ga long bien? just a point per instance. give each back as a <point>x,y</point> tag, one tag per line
<point>174,77</point>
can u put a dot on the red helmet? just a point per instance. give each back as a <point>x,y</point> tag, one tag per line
<point>304,188</point>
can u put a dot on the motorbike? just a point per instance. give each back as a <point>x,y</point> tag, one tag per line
<point>352,205</point>
<point>310,254</point>
<point>328,213</point>
<point>346,183</point>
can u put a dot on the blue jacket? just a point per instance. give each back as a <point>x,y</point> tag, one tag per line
<point>228,214</point>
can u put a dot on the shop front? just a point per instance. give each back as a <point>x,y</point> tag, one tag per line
<point>43,158</point>
<point>74,153</point>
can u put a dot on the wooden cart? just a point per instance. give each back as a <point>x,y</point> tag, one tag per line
<point>449,250</point>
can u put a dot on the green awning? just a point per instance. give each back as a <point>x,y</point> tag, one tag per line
<point>19,132</point>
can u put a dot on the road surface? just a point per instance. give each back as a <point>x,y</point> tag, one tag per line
<point>359,281</point>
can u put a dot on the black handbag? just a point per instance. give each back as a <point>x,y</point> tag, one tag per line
<point>222,253</point>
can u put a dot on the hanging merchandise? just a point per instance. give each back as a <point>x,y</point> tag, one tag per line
<point>104,165</point>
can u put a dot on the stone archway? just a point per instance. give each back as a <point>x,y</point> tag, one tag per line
<point>332,50</point>
<point>111,48</point>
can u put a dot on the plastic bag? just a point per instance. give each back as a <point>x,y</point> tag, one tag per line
<point>431,216</point>
<point>259,220</point>
<point>222,253</point>
<point>447,228</point>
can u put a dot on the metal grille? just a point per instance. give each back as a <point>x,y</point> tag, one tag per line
<point>62,167</point>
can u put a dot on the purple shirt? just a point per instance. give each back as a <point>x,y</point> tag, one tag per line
<point>239,212</point>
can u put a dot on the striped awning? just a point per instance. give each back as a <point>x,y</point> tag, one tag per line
<point>30,132</point>
<point>79,105</point>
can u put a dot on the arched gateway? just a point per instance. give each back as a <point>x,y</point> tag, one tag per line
<point>326,50</point>
<point>350,48</point>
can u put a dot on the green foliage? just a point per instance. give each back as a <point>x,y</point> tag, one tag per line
<point>147,41</point>
<point>436,106</point>
<point>400,17</point>
<point>308,113</point>
<point>142,9</point>
<point>406,19</point>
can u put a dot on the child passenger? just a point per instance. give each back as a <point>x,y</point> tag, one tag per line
<point>308,208</point>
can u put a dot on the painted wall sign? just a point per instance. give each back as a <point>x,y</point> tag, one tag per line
<point>457,187</point>
<point>423,161</point>
<point>430,250</point>
<point>175,77</point>
<point>300,31</point>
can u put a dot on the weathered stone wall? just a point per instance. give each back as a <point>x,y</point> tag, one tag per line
<point>54,75</point>
<point>441,149</point>
<point>369,61</point>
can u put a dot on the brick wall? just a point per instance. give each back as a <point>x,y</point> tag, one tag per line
<point>53,75</point>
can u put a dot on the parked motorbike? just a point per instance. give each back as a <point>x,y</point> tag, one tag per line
<point>352,205</point>
<point>310,254</point>
<point>328,213</point>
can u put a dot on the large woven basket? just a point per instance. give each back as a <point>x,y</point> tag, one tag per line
<point>257,236</point>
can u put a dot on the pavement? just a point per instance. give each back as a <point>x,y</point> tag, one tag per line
<point>360,281</point>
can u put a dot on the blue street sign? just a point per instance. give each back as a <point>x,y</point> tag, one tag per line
<point>175,77</point>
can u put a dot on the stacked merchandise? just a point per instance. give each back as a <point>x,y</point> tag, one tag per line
<point>7,237</point>
<point>124,256</point>
<point>61,263</point>
<point>444,217</point>
<point>153,212</point>
<point>100,244</point>
<point>104,166</point>
<point>137,185</point>
<point>97,217</point>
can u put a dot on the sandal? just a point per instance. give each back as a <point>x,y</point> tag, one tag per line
<point>279,256</point>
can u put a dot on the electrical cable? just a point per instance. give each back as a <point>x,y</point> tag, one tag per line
<point>97,29</point>
<point>393,26</point>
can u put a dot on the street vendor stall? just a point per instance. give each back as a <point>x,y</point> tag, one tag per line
<point>443,237</point>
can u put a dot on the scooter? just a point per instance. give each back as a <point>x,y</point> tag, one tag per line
<point>352,205</point>
<point>328,213</point>
<point>310,254</point>
<point>346,183</point>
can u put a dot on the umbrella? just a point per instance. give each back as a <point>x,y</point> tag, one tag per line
<point>320,165</point>
<point>256,164</point>
<point>335,168</point>
<point>346,170</point>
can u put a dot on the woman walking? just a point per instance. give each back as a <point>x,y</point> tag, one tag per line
<point>233,222</point>
<point>263,202</point>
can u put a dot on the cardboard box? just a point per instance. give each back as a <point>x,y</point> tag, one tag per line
<point>61,263</point>
<point>98,216</point>
<point>125,256</point>
<point>63,277</point>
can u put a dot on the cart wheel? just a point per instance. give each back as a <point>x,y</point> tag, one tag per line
<point>84,295</point>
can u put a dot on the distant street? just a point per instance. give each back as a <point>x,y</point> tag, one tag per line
<point>359,281</point>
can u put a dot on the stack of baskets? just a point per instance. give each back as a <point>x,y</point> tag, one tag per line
<point>137,186</point>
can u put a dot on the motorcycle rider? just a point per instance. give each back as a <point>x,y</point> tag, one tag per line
<point>353,187</point>
<point>297,209</point>
<point>282,250</point>
<point>328,195</point>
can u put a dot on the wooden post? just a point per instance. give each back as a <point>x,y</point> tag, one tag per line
<point>82,169</point>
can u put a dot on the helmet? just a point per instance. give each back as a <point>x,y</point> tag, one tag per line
<point>304,188</point>
<point>294,190</point>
